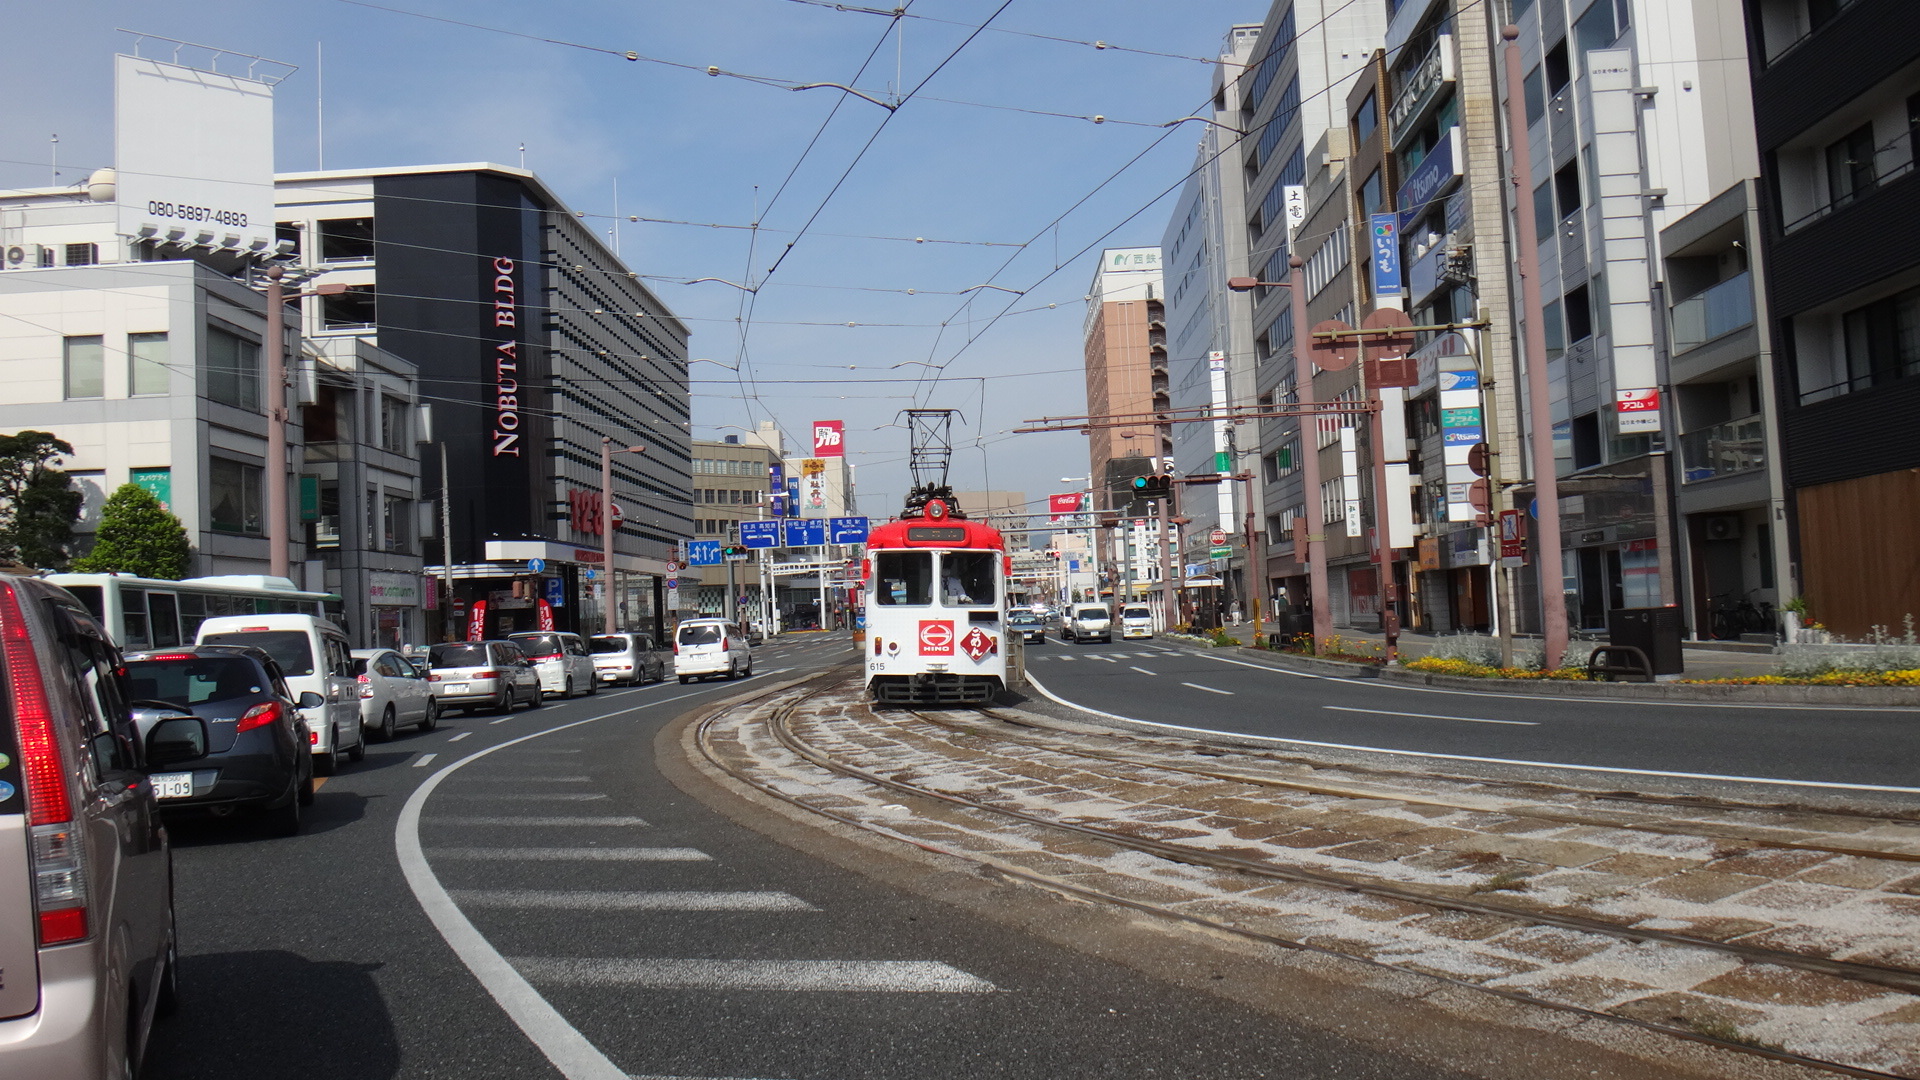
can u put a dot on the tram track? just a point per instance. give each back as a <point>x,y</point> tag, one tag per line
<point>780,712</point>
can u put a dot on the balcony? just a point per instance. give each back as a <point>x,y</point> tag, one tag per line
<point>1718,311</point>
<point>1737,446</point>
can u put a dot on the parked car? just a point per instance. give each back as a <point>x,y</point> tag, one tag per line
<point>1027,625</point>
<point>1087,622</point>
<point>314,657</point>
<point>393,693</point>
<point>86,880</point>
<point>707,647</point>
<point>628,659</point>
<point>562,661</point>
<point>1136,621</point>
<point>493,675</point>
<point>257,752</point>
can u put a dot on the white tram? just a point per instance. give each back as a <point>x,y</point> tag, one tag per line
<point>935,599</point>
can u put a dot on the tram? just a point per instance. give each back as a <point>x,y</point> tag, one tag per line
<point>935,597</point>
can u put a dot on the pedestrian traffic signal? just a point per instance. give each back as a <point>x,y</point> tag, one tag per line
<point>1156,486</point>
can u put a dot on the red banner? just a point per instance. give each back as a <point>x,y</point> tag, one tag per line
<point>477,621</point>
<point>544,611</point>
<point>1064,504</point>
<point>828,438</point>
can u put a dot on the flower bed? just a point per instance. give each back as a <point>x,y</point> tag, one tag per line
<point>1827,678</point>
<point>1468,669</point>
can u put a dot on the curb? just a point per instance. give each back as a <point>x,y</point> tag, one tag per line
<point>1860,696</point>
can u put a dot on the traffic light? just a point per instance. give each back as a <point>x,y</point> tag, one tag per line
<point>734,551</point>
<point>1155,486</point>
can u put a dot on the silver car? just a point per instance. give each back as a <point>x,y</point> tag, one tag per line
<point>492,675</point>
<point>627,659</point>
<point>86,878</point>
<point>393,694</point>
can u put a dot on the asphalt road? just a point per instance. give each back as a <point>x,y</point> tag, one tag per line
<point>1864,749</point>
<point>504,893</point>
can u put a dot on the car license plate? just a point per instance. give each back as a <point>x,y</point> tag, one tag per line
<point>454,687</point>
<point>173,785</point>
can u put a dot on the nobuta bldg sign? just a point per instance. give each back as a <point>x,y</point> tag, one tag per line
<point>506,364</point>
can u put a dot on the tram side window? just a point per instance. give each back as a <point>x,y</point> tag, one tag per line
<point>904,577</point>
<point>967,577</point>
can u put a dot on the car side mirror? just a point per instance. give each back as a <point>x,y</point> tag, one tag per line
<point>310,700</point>
<point>175,740</point>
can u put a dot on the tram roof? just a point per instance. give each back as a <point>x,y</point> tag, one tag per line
<point>920,533</point>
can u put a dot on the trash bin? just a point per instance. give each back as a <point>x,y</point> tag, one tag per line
<point>1655,631</point>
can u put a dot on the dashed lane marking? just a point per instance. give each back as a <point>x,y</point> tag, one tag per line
<point>576,900</point>
<point>1108,659</point>
<point>864,976</point>
<point>1140,669</point>
<point>425,759</point>
<point>555,821</point>
<point>460,736</point>
<point>590,854</point>
<point>1432,716</point>
<point>515,796</point>
<point>1208,689</point>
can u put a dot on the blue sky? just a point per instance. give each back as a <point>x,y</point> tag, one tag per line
<point>974,183</point>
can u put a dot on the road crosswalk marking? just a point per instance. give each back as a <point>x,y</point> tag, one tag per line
<point>590,854</point>
<point>896,976</point>
<point>683,900</point>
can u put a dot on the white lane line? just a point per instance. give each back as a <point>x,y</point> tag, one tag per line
<point>582,854</point>
<point>1607,769</point>
<point>544,750</point>
<point>555,821</point>
<point>518,777</point>
<point>514,796</point>
<point>460,736</point>
<point>502,720</point>
<point>1431,716</point>
<point>1062,659</point>
<point>1140,669</point>
<point>1108,659</point>
<point>568,900</point>
<point>866,976</point>
<point>425,759</point>
<point>1208,689</point>
<point>570,1052</point>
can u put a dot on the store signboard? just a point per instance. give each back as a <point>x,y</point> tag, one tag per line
<point>193,156</point>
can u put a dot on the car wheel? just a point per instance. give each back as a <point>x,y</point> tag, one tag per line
<point>432,719</point>
<point>285,820</point>
<point>307,788</point>
<point>384,733</point>
<point>566,691</point>
<point>539,698</point>
<point>593,686</point>
<point>326,764</point>
<point>505,704</point>
<point>683,680</point>
<point>359,751</point>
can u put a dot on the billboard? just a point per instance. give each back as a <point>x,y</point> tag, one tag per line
<point>193,155</point>
<point>828,438</point>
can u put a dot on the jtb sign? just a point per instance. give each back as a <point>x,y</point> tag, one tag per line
<point>828,438</point>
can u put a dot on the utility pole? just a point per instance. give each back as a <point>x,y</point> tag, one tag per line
<point>607,625</point>
<point>1314,544</point>
<point>278,555</point>
<point>446,548</point>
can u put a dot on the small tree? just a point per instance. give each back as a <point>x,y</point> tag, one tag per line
<point>137,536</point>
<point>38,503</point>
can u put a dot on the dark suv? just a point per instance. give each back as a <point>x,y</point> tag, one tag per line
<point>86,877</point>
<point>257,755</point>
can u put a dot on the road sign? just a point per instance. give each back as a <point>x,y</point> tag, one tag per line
<point>1334,353</point>
<point>703,553</point>
<point>1218,537</point>
<point>556,591</point>
<point>760,534</point>
<point>1220,553</point>
<point>848,530</point>
<point>805,532</point>
<point>534,566</point>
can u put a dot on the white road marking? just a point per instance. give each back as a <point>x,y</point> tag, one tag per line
<point>865,976</point>
<point>1140,669</point>
<point>588,854</point>
<point>460,736</point>
<point>1208,689</point>
<point>556,796</point>
<point>568,900</point>
<point>502,720</point>
<point>1108,659</point>
<point>1062,659</point>
<point>516,777</point>
<point>1431,716</point>
<point>558,821</point>
<point>1607,769</point>
<point>425,759</point>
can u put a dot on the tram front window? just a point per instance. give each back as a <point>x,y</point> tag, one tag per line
<point>967,578</point>
<point>904,578</point>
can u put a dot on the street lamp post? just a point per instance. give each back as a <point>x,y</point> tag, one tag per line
<point>276,410</point>
<point>606,525</point>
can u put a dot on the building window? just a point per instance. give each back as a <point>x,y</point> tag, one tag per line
<point>233,489</point>
<point>147,371</point>
<point>1559,72</point>
<point>1566,189</point>
<point>1543,219</point>
<point>1366,120</point>
<point>350,310</point>
<point>1333,499</point>
<point>346,240</point>
<point>233,370</point>
<point>1883,340</point>
<point>1579,313</point>
<point>393,424</point>
<point>394,514</point>
<point>86,367</point>
<point>1598,28</point>
<point>1536,94</point>
<point>1850,166</point>
<point>290,235</point>
<point>1371,194</point>
<point>1556,330</point>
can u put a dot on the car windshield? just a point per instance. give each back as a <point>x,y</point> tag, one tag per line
<point>604,645</point>
<point>537,646</point>
<point>1137,613</point>
<point>201,680</point>
<point>458,655</point>
<point>700,634</point>
<point>1023,617</point>
<point>1091,613</point>
<point>360,665</point>
<point>291,649</point>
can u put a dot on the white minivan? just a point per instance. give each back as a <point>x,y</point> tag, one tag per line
<point>314,656</point>
<point>1136,621</point>
<point>703,647</point>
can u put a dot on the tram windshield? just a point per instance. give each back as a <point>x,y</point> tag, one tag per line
<point>903,577</point>
<point>967,577</point>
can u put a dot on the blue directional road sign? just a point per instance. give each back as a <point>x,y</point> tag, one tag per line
<point>849,530</point>
<point>556,592</point>
<point>806,532</point>
<point>703,553</point>
<point>760,534</point>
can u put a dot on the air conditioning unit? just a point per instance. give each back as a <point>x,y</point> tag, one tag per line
<point>1722,527</point>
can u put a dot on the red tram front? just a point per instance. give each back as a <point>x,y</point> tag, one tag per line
<point>935,599</point>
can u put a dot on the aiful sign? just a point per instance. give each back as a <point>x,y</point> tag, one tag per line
<point>506,362</point>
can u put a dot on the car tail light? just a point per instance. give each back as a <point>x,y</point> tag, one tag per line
<point>259,716</point>
<point>484,675</point>
<point>723,643</point>
<point>366,687</point>
<point>313,738</point>
<point>173,656</point>
<point>433,678</point>
<point>59,869</point>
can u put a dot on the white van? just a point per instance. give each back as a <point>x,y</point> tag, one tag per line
<point>314,656</point>
<point>1136,621</point>
<point>703,647</point>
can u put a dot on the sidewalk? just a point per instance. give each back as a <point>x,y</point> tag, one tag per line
<point>1704,660</point>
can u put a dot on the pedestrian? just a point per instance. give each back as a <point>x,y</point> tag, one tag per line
<point>1233,613</point>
